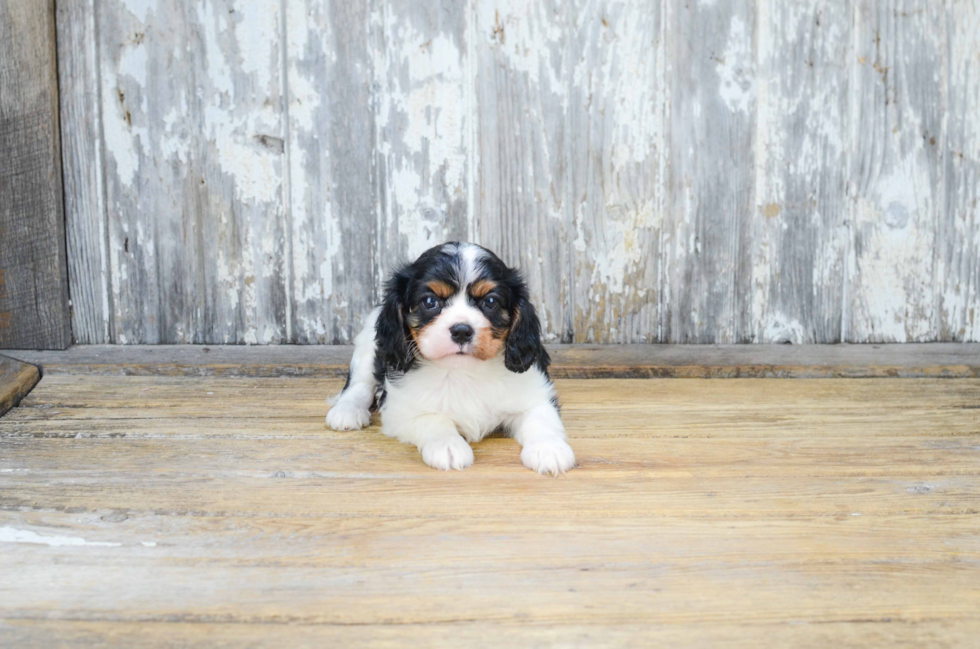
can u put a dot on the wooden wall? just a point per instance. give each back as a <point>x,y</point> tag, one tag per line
<point>33,267</point>
<point>663,170</point>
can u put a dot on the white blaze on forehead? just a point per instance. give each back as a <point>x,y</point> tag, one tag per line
<point>470,256</point>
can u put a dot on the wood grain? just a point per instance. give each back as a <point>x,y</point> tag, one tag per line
<point>34,310</point>
<point>710,201</point>
<point>523,206</point>
<point>179,510</point>
<point>617,139</point>
<point>424,126</point>
<point>192,115</point>
<point>16,380</point>
<point>958,238</point>
<point>885,632</point>
<point>83,165</point>
<point>800,210</point>
<point>899,98</point>
<point>909,360</point>
<point>331,54</point>
<point>712,172</point>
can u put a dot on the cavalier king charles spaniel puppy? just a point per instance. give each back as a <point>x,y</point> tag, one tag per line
<point>453,354</point>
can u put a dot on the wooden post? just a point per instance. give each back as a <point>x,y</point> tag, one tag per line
<point>34,309</point>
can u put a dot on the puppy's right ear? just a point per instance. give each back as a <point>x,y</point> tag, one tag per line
<point>390,334</point>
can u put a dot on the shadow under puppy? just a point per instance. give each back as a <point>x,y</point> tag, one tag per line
<point>453,354</point>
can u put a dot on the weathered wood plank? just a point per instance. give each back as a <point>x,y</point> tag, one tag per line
<point>710,172</point>
<point>190,454</point>
<point>145,406</point>
<point>331,54</point>
<point>83,170</point>
<point>569,361</point>
<point>899,633</point>
<point>194,137</point>
<point>898,101</point>
<point>958,238</point>
<point>616,153</point>
<point>151,587</point>
<point>710,203</point>
<point>34,309</point>
<point>16,380</point>
<point>799,224</point>
<point>523,206</point>
<point>862,534</point>
<point>425,124</point>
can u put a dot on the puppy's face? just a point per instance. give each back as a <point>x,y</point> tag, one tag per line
<point>459,303</point>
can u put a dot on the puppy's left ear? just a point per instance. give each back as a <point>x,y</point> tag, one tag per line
<point>524,347</point>
<point>392,352</point>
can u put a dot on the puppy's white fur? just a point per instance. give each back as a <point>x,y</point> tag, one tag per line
<point>451,399</point>
<point>444,404</point>
<point>351,406</point>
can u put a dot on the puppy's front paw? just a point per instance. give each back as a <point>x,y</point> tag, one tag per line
<point>445,453</point>
<point>347,416</point>
<point>552,456</point>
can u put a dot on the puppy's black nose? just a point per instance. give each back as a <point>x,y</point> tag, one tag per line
<point>461,333</point>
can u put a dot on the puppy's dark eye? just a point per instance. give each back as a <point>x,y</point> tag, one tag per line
<point>429,303</point>
<point>490,303</point>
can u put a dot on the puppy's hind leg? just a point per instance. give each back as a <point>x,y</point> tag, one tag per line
<point>351,407</point>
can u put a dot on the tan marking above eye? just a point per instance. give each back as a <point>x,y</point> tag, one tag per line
<point>441,289</point>
<point>482,287</point>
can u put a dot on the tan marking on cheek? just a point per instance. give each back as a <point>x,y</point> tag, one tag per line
<point>441,289</point>
<point>417,335</point>
<point>481,288</point>
<point>487,344</point>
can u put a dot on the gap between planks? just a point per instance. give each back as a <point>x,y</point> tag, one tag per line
<point>911,360</point>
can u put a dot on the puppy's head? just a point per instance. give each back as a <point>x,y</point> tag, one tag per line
<point>458,303</point>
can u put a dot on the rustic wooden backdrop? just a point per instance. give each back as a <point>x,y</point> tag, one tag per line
<point>33,264</point>
<point>663,170</point>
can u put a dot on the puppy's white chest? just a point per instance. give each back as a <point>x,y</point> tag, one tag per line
<point>478,399</point>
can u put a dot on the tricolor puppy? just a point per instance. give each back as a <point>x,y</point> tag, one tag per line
<point>453,354</point>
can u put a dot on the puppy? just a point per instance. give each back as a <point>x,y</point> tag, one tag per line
<point>453,354</point>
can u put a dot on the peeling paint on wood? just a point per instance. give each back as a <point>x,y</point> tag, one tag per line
<point>710,201</point>
<point>712,171</point>
<point>958,294</point>
<point>194,199</point>
<point>799,223</point>
<point>898,102</point>
<point>523,208</point>
<point>616,138</point>
<point>331,51</point>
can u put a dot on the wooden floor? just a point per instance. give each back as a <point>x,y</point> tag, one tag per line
<point>170,510</point>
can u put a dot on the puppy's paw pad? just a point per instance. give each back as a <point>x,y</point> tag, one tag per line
<point>447,453</point>
<point>552,456</point>
<point>347,416</point>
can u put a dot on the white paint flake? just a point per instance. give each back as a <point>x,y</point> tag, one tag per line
<point>14,535</point>
<point>736,69</point>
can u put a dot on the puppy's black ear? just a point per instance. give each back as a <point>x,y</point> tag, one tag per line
<point>524,347</point>
<point>392,351</point>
